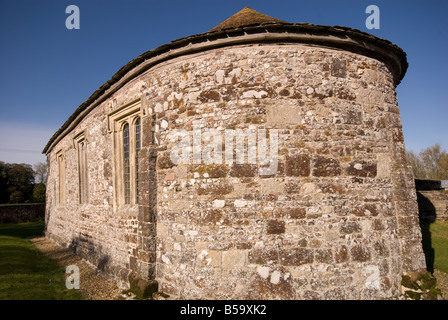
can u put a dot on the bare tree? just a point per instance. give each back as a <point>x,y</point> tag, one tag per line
<point>417,164</point>
<point>431,163</point>
<point>40,170</point>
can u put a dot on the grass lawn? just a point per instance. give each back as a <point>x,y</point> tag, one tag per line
<point>25,273</point>
<point>435,245</point>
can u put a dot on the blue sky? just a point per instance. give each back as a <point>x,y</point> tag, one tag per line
<point>47,71</point>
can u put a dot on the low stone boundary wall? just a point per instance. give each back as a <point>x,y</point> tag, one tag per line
<point>22,213</point>
<point>433,205</point>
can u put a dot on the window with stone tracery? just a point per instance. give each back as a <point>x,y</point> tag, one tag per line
<point>125,123</point>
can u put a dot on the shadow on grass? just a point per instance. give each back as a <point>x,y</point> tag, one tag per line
<point>22,230</point>
<point>25,273</point>
<point>427,245</point>
<point>427,215</point>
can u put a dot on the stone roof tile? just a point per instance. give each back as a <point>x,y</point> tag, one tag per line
<point>245,17</point>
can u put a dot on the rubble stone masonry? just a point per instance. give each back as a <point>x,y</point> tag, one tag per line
<point>338,220</point>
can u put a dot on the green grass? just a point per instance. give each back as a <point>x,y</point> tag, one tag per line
<point>25,273</point>
<point>435,245</point>
<point>22,230</point>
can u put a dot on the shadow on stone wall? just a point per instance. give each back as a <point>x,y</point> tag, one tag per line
<point>85,248</point>
<point>426,210</point>
<point>427,215</point>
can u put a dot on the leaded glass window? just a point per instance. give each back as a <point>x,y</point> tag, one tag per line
<point>137,149</point>
<point>126,165</point>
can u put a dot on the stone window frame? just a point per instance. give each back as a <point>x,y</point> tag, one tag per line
<point>117,119</point>
<point>61,183</point>
<point>80,143</point>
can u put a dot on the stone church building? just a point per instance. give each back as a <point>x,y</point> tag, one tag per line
<point>337,217</point>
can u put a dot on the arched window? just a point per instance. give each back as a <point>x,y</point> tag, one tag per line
<point>126,123</point>
<point>138,145</point>
<point>126,165</point>
<point>80,144</point>
<point>61,178</point>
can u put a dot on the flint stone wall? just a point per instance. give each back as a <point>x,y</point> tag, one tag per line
<point>338,220</point>
<point>22,213</point>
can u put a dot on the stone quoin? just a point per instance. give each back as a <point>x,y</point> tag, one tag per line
<point>337,220</point>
